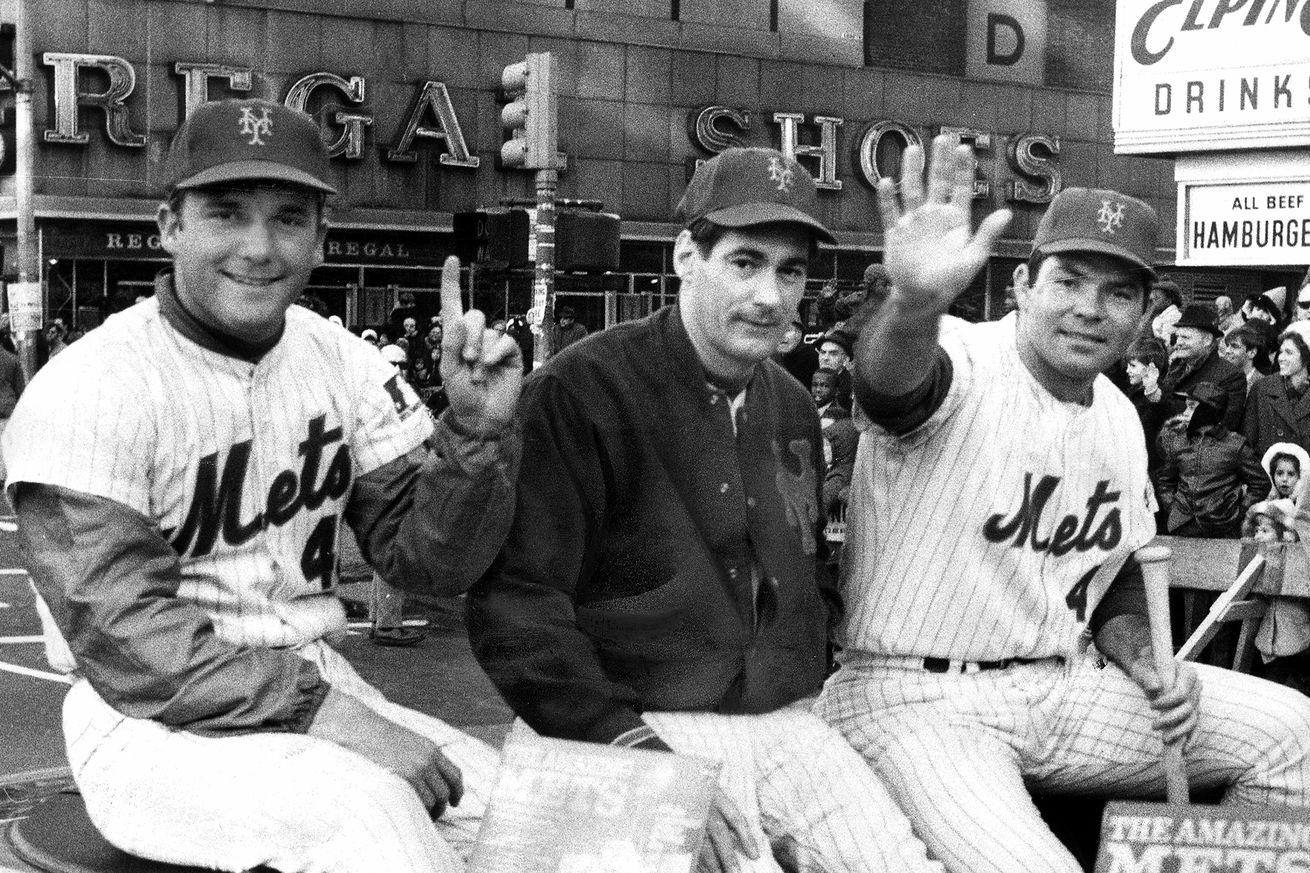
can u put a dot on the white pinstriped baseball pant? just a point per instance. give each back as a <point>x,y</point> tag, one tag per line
<point>802,790</point>
<point>959,751</point>
<point>288,801</point>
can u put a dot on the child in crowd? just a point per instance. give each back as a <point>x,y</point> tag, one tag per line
<point>1284,463</point>
<point>1284,634</point>
<point>823,388</point>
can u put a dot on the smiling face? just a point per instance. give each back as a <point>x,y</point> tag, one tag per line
<point>1192,343</point>
<point>1135,371</point>
<point>1077,316</point>
<point>1289,359</point>
<point>242,255</point>
<point>1236,353</point>
<point>738,299</point>
<point>823,387</point>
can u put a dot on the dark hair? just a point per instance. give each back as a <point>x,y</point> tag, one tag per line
<point>1143,277</point>
<point>706,235</point>
<point>1297,340</point>
<point>838,338</point>
<point>1149,350</point>
<point>1284,456</point>
<point>1169,288</point>
<point>827,371</point>
<point>1251,340</point>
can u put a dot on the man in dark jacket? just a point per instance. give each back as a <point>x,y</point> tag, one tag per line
<point>1195,359</point>
<point>663,584</point>
<point>1209,476</point>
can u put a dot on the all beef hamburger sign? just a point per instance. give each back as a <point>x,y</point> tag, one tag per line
<point>1206,75</point>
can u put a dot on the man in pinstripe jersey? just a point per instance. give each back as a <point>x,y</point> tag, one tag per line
<point>180,478</point>
<point>996,636</point>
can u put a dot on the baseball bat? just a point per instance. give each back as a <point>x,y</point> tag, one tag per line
<point>1155,573</point>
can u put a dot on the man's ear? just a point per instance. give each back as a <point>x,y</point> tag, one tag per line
<point>169,223</point>
<point>1021,285</point>
<point>685,252</point>
<point>322,239</point>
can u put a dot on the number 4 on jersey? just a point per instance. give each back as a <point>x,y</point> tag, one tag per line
<point>319,559</point>
<point>1076,599</point>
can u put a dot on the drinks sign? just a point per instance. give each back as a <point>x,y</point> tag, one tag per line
<point>1202,75</point>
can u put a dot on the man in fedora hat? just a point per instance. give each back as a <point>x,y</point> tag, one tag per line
<point>664,584</point>
<point>181,478</point>
<point>1195,358</point>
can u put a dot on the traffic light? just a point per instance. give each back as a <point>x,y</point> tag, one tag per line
<point>530,115</point>
<point>493,237</point>
<point>586,242</point>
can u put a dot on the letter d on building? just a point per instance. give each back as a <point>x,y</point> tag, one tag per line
<point>995,21</point>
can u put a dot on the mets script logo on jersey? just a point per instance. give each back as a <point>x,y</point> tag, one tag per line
<point>255,126</point>
<point>216,506</point>
<point>1096,529</point>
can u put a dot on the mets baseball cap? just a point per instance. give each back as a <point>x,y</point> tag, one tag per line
<point>247,140</point>
<point>743,187</point>
<point>1098,220</point>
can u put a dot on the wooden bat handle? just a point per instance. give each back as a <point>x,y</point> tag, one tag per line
<point>1155,572</point>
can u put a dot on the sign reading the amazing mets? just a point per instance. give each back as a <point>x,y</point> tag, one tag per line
<point>1204,75</point>
<point>1163,838</point>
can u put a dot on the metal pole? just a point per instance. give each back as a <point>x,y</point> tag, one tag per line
<point>543,285</point>
<point>27,319</point>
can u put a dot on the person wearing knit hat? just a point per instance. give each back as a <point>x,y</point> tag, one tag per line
<point>1195,358</point>
<point>1278,297</point>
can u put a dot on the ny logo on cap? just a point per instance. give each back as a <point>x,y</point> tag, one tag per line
<point>253,127</point>
<point>782,174</point>
<point>1108,218</point>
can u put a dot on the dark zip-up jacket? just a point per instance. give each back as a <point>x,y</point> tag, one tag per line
<point>626,582</point>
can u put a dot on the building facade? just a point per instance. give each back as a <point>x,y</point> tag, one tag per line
<point>407,94</point>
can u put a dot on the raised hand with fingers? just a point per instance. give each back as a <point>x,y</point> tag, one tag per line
<point>931,252</point>
<point>481,369</point>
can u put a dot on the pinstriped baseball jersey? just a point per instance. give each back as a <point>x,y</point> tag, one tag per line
<point>248,485</point>
<point>1018,529</point>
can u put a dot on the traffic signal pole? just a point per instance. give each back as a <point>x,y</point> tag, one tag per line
<point>26,300</point>
<point>530,119</point>
<point>543,283</point>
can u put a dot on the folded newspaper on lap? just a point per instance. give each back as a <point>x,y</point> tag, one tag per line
<point>568,807</point>
<point>1165,838</point>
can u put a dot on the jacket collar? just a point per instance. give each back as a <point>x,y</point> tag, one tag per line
<point>680,355</point>
<point>186,323</point>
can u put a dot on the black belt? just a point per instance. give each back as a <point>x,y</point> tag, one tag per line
<point>947,665</point>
